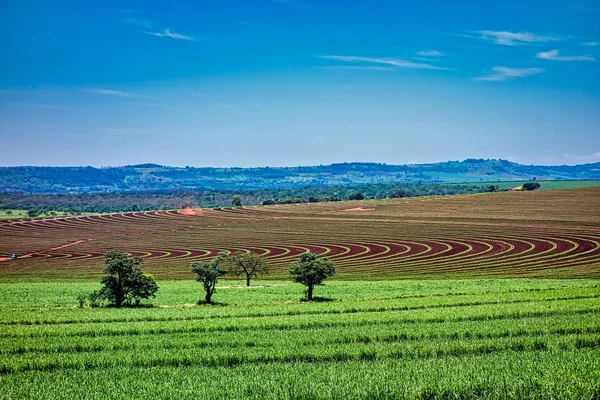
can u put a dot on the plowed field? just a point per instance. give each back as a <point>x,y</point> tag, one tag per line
<point>532,234</point>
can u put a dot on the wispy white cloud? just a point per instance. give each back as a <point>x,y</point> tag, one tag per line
<point>430,53</point>
<point>555,55</point>
<point>110,92</point>
<point>358,68</point>
<point>142,23</point>
<point>169,34</point>
<point>393,62</point>
<point>38,105</point>
<point>590,44</point>
<point>499,74</point>
<point>513,39</point>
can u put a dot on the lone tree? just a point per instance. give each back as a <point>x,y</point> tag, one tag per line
<point>311,271</point>
<point>531,186</point>
<point>236,201</point>
<point>250,264</point>
<point>356,196</point>
<point>125,281</point>
<point>209,273</point>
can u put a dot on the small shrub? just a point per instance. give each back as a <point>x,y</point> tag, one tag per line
<point>95,298</point>
<point>81,300</point>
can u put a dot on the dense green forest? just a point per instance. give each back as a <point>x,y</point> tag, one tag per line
<point>157,200</point>
<point>153,177</point>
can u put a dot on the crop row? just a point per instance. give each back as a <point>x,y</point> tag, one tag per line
<point>401,303</point>
<point>485,312</point>
<point>215,357</point>
<point>394,332</point>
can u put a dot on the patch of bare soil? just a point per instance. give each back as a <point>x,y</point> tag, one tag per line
<point>358,209</point>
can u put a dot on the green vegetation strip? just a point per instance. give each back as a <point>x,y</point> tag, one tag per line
<point>373,340</point>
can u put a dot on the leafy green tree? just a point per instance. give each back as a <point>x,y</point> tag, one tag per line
<point>249,264</point>
<point>125,281</point>
<point>531,186</point>
<point>236,201</point>
<point>356,196</point>
<point>209,273</point>
<point>399,193</point>
<point>311,271</point>
<point>32,213</point>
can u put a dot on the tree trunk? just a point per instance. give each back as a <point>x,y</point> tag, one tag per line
<point>208,296</point>
<point>247,280</point>
<point>309,293</point>
<point>119,292</point>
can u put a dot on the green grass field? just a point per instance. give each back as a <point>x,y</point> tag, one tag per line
<point>501,338</point>
<point>9,214</point>
<point>545,185</point>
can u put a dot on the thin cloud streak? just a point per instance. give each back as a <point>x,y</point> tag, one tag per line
<point>430,53</point>
<point>37,105</point>
<point>110,92</point>
<point>169,34</point>
<point>514,39</point>
<point>590,44</point>
<point>500,74</point>
<point>358,68</point>
<point>555,56</point>
<point>395,62</point>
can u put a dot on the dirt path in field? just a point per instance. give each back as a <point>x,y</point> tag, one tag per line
<point>359,209</point>
<point>47,250</point>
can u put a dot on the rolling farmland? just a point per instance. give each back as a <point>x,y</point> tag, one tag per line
<point>373,334</point>
<point>531,234</point>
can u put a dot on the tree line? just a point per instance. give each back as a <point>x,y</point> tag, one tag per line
<point>44,204</point>
<point>125,284</point>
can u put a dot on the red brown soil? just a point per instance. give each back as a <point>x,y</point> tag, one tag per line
<point>189,211</point>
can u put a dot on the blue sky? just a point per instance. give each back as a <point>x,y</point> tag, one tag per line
<point>298,82</point>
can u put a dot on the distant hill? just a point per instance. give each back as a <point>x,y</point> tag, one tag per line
<point>148,177</point>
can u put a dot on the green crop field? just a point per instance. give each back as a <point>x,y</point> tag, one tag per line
<point>516,338</point>
<point>13,214</point>
<point>544,185</point>
<point>8,214</point>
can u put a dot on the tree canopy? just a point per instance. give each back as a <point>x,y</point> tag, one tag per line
<point>311,271</point>
<point>249,264</point>
<point>209,273</point>
<point>125,282</point>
